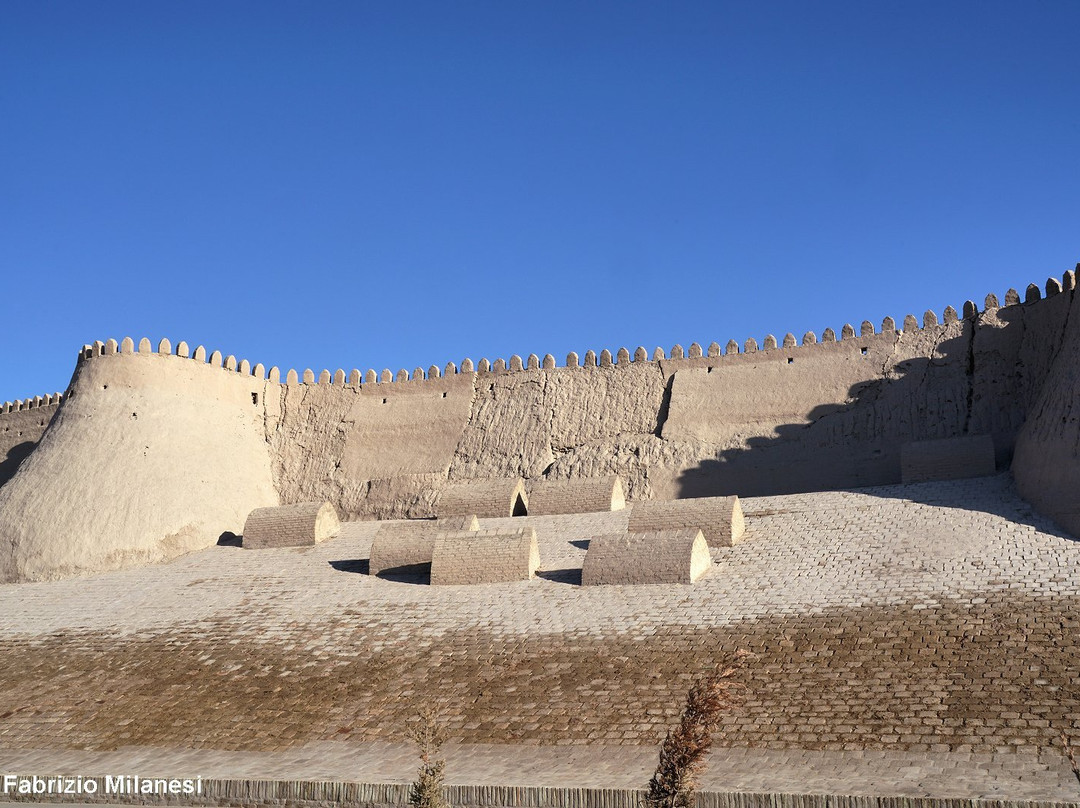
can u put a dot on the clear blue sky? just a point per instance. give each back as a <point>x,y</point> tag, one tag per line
<point>408,183</point>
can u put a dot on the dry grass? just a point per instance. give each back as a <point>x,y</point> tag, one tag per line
<point>683,753</point>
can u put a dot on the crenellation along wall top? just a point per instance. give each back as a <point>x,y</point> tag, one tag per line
<point>695,355</point>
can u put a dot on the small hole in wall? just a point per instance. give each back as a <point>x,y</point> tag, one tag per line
<point>790,361</point>
<point>255,398</point>
<point>134,415</point>
<point>708,370</point>
<point>444,395</point>
<point>104,387</point>
<point>384,401</point>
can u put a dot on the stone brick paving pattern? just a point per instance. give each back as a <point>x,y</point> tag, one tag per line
<point>904,635</point>
<point>882,772</point>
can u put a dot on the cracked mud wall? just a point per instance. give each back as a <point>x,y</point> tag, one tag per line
<point>815,417</point>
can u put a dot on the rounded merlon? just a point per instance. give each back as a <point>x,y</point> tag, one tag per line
<point>301,525</point>
<point>655,557</point>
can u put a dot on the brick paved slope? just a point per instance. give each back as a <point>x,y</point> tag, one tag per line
<point>934,619</point>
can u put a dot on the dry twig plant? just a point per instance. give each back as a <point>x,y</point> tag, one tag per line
<point>1067,744</point>
<point>682,755</point>
<point>429,735</point>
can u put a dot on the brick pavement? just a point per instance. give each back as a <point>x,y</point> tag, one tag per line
<point>931,625</point>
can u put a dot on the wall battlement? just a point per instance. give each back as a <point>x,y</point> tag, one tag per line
<point>591,359</point>
<point>177,445</point>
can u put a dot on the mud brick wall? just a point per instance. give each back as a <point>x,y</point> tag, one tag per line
<point>658,557</point>
<point>486,499</point>
<point>299,525</point>
<point>947,459</point>
<point>719,518</point>
<point>589,495</point>
<point>485,556</point>
<point>409,545</point>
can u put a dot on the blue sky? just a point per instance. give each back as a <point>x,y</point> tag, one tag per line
<point>402,184</point>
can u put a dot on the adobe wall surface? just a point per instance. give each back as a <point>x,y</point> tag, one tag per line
<point>823,415</point>
<point>147,458</point>
<point>1047,461</point>
<point>21,426</point>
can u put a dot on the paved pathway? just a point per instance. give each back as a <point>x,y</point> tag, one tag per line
<point>907,637</point>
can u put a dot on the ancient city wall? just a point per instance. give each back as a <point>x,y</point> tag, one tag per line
<point>832,412</point>
<point>150,455</point>
<point>215,437</point>
<point>22,424</point>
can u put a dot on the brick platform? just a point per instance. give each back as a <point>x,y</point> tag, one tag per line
<point>936,621</point>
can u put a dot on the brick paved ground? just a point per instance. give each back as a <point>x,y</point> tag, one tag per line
<point>931,627</point>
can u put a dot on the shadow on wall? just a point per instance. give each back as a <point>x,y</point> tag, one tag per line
<point>849,445</point>
<point>15,456</point>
